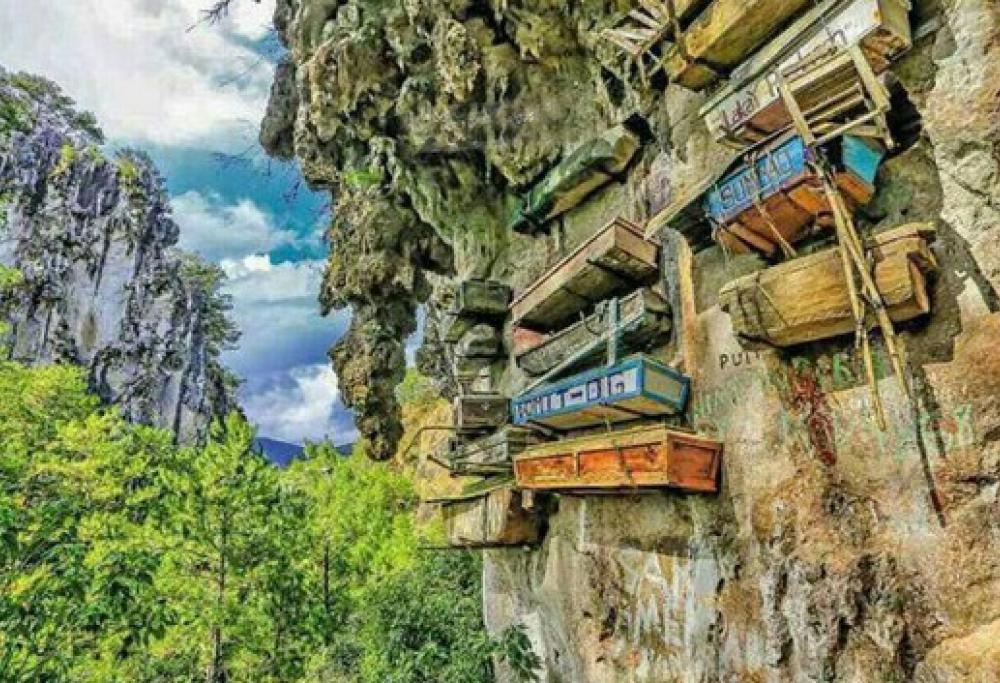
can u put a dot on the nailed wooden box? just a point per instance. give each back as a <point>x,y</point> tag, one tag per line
<point>749,107</point>
<point>643,319</point>
<point>635,388</point>
<point>722,36</point>
<point>616,260</point>
<point>636,458</point>
<point>480,412</point>
<point>777,190</point>
<point>807,298</point>
<point>491,514</point>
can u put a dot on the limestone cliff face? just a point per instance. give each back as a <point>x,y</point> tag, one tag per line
<point>103,285</point>
<point>835,551</point>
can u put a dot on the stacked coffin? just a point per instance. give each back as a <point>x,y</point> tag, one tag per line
<point>489,513</point>
<point>570,327</point>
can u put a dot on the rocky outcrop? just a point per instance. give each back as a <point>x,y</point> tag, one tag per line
<point>836,551</point>
<point>102,284</point>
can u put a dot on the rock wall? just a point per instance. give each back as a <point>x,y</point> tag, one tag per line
<point>103,285</point>
<point>835,551</point>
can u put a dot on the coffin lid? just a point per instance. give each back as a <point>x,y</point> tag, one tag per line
<point>477,488</point>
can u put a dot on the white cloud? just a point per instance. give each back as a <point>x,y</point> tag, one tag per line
<point>301,404</point>
<point>219,231</point>
<point>136,65</point>
<point>275,305</point>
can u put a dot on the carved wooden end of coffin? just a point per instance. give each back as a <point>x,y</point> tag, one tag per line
<point>643,320</point>
<point>480,412</point>
<point>616,260</point>
<point>493,516</point>
<point>475,301</point>
<point>807,299</point>
<point>637,458</point>
<point>635,388</point>
<point>777,190</point>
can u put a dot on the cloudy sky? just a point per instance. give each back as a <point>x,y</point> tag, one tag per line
<point>184,95</point>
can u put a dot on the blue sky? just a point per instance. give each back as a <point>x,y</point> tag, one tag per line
<point>185,96</point>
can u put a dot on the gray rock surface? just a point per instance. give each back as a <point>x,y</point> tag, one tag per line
<point>103,285</point>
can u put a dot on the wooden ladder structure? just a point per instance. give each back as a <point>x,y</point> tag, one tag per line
<point>835,94</point>
<point>641,31</point>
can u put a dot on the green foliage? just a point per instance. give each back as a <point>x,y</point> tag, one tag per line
<point>129,174</point>
<point>124,557</point>
<point>416,389</point>
<point>514,647</point>
<point>67,155</point>
<point>14,115</point>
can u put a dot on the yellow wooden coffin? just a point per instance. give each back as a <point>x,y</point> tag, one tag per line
<point>807,299</point>
<point>491,514</point>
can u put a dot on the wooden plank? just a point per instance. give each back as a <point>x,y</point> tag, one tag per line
<point>750,103</point>
<point>636,387</point>
<point>638,458</point>
<point>807,299</point>
<point>722,36</point>
<point>495,519</point>
<point>614,259</point>
<point>644,319</point>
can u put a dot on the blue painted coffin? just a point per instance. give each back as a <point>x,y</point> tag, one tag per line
<point>776,168</point>
<point>635,388</point>
<point>776,189</point>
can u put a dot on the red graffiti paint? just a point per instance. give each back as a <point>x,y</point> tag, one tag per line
<point>809,400</point>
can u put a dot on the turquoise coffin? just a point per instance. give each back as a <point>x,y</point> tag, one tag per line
<point>637,387</point>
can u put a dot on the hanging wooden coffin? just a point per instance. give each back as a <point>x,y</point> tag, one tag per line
<point>491,454</point>
<point>635,388</point>
<point>749,108</point>
<point>475,301</point>
<point>724,35</point>
<point>614,261</point>
<point>591,165</point>
<point>490,514</point>
<point>480,412</point>
<point>638,458</point>
<point>776,191</point>
<point>644,319</point>
<point>807,298</point>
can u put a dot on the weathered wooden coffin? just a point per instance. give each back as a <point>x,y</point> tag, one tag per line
<point>644,457</point>
<point>749,107</point>
<point>480,412</point>
<point>493,453</point>
<point>475,301</point>
<point>643,319</point>
<point>480,341</point>
<point>635,388</point>
<point>722,36</point>
<point>588,167</point>
<point>780,181</point>
<point>614,261</point>
<point>490,514</point>
<point>807,299</point>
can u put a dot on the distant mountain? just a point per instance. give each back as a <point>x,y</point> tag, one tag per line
<point>282,453</point>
